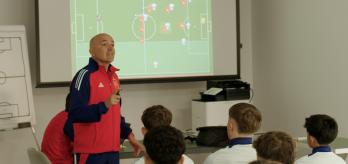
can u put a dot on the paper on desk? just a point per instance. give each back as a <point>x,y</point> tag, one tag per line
<point>213,91</point>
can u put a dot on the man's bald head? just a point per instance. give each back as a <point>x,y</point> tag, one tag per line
<point>94,38</point>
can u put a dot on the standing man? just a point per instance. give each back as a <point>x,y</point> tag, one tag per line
<point>95,108</point>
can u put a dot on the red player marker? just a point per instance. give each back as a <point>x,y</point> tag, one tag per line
<point>149,9</point>
<point>182,26</point>
<point>141,18</point>
<point>141,29</point>
<point>167,10</point>
<point>184,2</point>
<point>142,40</point>
<point>164,29</point>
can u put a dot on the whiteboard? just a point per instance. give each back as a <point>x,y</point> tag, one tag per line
<point>16,97</point>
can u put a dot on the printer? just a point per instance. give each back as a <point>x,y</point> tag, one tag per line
<point>227,90</point>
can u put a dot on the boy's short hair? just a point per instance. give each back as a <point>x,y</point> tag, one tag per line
<point>247,116</point>
<point>276,146</point>
<point>156,115</point>
<point>322,127</point>
<point>164,145</point>
<point>263,161</point>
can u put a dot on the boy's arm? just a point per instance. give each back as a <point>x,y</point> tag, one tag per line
<point>137,146</point>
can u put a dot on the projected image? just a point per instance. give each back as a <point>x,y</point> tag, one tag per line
<point>153,37</point>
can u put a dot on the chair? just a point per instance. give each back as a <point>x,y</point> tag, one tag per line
<point>37,157</point>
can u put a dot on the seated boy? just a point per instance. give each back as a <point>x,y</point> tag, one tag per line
<point>321,131</point>
<point>275,146</point>
<point>164,145</point>
<point>155,116</point>
<point>244,120</point>
<point>262,161</point>
<point>55,144</point>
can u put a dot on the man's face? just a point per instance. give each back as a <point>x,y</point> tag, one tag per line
<point>102,49</point>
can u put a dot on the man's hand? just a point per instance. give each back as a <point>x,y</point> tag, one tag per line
<point>113,99</point>
<point>137,146</point>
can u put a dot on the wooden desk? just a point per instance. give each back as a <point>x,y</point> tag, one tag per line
<point>191,148</point>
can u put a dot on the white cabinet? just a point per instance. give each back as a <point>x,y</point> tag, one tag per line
<point>214,113</point>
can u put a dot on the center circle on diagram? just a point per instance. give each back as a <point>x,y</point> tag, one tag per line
<point>148,24</point>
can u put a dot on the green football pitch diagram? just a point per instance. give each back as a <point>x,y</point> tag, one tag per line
<point>152,37</point>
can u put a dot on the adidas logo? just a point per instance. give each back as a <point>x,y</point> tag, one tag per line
<point>101,85</point>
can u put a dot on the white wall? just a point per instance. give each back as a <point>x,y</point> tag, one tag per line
<point>300,59</point>
<point>136,97</point>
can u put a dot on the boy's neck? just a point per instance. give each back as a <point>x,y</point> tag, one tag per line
<point>314,145</point>
<point>240,135</point>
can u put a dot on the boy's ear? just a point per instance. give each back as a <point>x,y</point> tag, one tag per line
<point>181,161</point>
<point>230,124</point>
<point>312,142</point>
<point>147,159</point>
<point>143,130</point>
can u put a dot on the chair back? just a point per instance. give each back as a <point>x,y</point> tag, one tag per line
<point>37,157</point>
